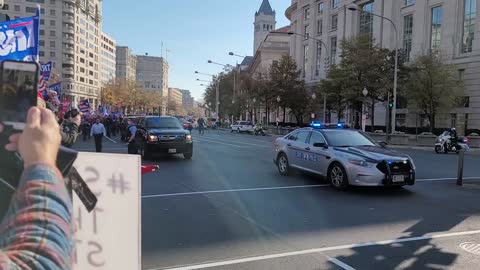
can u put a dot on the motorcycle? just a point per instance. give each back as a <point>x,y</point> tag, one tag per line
<point>258,130</point>
<point>444,144</point>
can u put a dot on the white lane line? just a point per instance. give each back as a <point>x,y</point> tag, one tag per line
<point>233,141</point>
<point>273,188</point>
<point>229,190</point>
<point>445,179</point>
<point>319,250</point>
<point>339,263</point>
<point>204,140</point>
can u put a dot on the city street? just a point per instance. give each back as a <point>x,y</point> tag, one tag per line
<point>228,208</point>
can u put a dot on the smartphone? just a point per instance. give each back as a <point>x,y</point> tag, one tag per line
<point>18,92</point>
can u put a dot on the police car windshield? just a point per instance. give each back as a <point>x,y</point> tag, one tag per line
<point>346,138</point>
<point>162,123</point>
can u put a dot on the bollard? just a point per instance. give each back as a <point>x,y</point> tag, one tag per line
<point>461,157</point>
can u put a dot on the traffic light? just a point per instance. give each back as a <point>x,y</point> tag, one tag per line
<point>390,102</point>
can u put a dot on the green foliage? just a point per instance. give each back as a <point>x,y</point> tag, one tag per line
<point>433,86</point>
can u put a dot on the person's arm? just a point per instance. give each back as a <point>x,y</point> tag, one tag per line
<point>133,132</point>
<point>91,130</point>
<point>36,229</point>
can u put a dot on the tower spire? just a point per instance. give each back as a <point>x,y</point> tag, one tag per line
<point>266,8</point>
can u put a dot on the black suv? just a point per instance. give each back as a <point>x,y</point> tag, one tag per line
<point>163,135</point>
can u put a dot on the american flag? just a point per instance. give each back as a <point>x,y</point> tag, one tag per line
<point>42,84</point>
<point>84,106</point>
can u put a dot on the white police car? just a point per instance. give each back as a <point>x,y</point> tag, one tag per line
<point>344,156</point>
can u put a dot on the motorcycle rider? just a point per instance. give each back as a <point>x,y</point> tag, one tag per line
<point>453,138</point>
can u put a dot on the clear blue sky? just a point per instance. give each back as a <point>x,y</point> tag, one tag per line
<point>193,30</point>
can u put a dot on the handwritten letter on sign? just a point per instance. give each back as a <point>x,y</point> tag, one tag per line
<point>109,237</point>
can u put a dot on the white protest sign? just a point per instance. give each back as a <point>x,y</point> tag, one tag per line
<point>109,237</point>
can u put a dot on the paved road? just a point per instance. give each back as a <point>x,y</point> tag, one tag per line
<point>228,208</point>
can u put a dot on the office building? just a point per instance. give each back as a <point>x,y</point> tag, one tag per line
<point>108,54</point>
<point>187,99</point>
<point>126,65</point>
<point>70,34</point>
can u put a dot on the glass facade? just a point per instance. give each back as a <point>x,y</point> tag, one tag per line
<point>366,19</point>
<point>318,58</point>
<point>333,50</point>
<point>407,34</point>
<point>470,13</point>
<point>436,27</point>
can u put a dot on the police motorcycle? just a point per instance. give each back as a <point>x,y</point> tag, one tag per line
<point>258,130</point>
<point>445,143</point>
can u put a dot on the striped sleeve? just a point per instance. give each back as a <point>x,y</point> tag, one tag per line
<point>36,233</point>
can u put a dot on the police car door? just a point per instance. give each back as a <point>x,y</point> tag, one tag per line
<point>318,156</point>
<point>297,149</point>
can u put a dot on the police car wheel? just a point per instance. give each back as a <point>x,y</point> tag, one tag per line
<point>337,176</point>
<point>283,165</point>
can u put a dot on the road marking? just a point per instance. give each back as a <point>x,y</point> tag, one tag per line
<point>339,263</point>
<point>252,144</point>
<point>320,250</point>
<point>273,188</point>
<point>445,179</point>
<point>471,247</point>
<point>205,140</point>
<point>229,190</point>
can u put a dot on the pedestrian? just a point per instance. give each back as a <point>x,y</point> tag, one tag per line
<point>201,124</point>
<point>108,126</point>
<point>98,131</point>
<point>37,232</point>
<point>131,141</point>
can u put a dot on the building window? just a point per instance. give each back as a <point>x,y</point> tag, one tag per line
<point>333,50</point>
<point>305,60</point>
<point>334,22</point>
<point>52,55</point>
<point>41,43</point>
<point>52,23</point>
<point>407,34</point>
<point>307,31</point>
<point>437,17</point>
<point>52,12</point>
<point>82,60</point>
<point>307,14</point>
<point>52,33</point>
<point>52,2</point>
<point>42,22</point>
<point>82,79</point>
<point>320,7</point>
<point>335,3</point>
<point>16,8</point>
<point>366,19</point>
<point>319,27</point>
<point>318,58</point>
<point>41,53</point>
<point>52,44</point>
<point>37,1</point>
<point>470,13</point>
<point>42,32</point>
<point>34,10</point>
<point>409,2</point>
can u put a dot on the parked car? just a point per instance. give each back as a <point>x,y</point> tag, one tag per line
<point>163,135</point>
<point>242,126</point>
<point>187,125</point>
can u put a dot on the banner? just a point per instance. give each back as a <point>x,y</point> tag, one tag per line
<point>109,238</point>
<point>57,87</point>
<point>19,39</point>
<point>46,70</point>
<point>66,104</point>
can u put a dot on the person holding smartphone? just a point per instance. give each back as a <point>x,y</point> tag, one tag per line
<point>37,230</point>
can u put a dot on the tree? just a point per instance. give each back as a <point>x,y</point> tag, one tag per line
<point>171,107</point>
<point>286,83</point>
<point>433,86</point>
<point>334,89</point>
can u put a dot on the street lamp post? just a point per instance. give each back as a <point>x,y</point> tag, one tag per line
<point>218,90</point>
<point>354,7</point>
<point>364,117</point>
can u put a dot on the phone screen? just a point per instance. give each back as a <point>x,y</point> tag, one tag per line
<point>18,92</point>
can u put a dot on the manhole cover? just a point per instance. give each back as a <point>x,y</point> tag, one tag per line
<point>471,247</point>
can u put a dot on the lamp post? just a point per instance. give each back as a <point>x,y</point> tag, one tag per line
<point>364,116</point>
<point>355,7</point>
<point>218,92</point>
<point>314,97</point>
